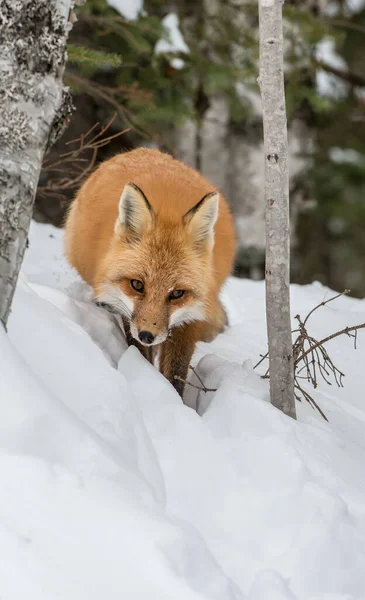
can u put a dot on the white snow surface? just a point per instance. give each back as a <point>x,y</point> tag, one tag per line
<point>112,488</point>
<point>130,9</point>
<point>173,42</point>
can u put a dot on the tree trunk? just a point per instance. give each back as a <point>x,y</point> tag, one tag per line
<point>229,153</point>
<point>277,266</point>
<point>33,109</point>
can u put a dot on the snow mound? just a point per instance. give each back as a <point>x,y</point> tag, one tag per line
<point>130,9</point>
<point>174,41</point>
<point>112,487</point>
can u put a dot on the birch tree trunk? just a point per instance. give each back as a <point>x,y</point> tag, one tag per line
<point>277,265</point>
<point>229,153</point>
<point>33,35</point>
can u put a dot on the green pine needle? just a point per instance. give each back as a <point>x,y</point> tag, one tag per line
<point>94,58</point>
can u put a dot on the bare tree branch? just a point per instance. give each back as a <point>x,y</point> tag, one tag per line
<point>352,78</point>
<point>201,387</point>
<point>346,331</point>
<point>76,163</point>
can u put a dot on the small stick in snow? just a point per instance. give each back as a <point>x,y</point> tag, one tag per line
<point>263,357</point>
<point>203,388</point>
<point>312,358</point>
<point>350,331</point>
<point>324,303</point>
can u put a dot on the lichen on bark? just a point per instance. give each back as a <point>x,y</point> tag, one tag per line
<point>32,58</point>
<point>34,32</point>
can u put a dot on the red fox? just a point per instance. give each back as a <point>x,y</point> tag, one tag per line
<point>156,242</point>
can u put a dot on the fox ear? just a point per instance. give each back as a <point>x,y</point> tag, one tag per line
<point>135,212</point>
<point>200,219</point>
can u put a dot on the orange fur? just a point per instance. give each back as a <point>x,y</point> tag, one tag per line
<point>160,244</point>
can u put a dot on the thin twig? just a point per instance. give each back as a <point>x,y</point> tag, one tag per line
<point>263,357</point>
<point>345,24</point>
<point>347,330</point>
<point>107,95</point>
<point>196,375</point>
<point>324,303</point>
<point>309,399</point>
<point>311,357</point>
<point>197,387</point>
<point>74,164</point>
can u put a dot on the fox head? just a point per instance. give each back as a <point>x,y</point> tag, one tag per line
<point>159,266</point>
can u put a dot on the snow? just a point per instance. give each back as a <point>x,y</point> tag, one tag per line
<point>130,9</point>
<point>327,84</point>
<point>354,6</point>
<point>346,155</point>
<point>173,42</point>
<point>111,487</point>
<point>348,8</point>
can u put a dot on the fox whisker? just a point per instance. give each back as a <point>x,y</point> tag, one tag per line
<point>113,298</point>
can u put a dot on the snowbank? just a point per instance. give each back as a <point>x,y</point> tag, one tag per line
<point>111,487</point>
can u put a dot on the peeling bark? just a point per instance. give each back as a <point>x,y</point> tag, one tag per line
<point>277,267</point>
<point>34,107</point>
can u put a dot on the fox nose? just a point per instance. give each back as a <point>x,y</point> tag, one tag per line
<point>146,337</point>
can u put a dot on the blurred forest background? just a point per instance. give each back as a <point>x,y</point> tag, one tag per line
<point>182,75</point>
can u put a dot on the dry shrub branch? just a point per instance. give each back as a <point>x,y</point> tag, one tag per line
<point>201,387</point>
<point>70,169</point>
<point>311,359</point>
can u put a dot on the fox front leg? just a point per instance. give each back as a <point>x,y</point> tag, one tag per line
<point>176,353</point>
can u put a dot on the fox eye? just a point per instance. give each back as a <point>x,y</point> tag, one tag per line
<point>176,294</point>
<point>137,285</point>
